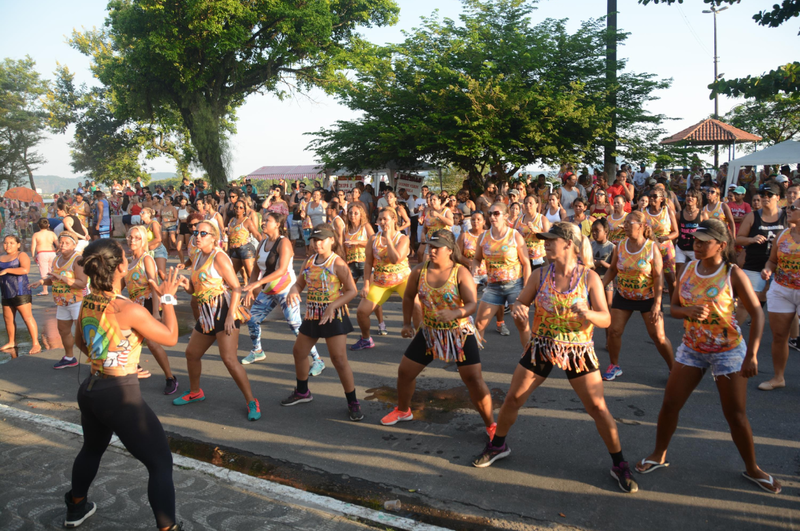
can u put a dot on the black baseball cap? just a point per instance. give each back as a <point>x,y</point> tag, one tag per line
<point>321,232</point>
<point>772,188</point>
<point>711,229</point>
<point>442,238</point>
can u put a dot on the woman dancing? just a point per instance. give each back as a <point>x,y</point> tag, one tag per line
<point>241,251</point>
<point>16,292</point>
<point>154,245</point>
<point>355,237</point>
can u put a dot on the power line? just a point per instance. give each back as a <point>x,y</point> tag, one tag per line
<point>691,29</point>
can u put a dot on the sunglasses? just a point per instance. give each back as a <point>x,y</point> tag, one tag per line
<point>768,194</point>
<point>793,208</point>
<point>494,213</point>
<point>200,233</point>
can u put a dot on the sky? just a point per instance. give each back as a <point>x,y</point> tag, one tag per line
<point>670,41</point>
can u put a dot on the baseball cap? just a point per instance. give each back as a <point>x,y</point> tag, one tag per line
<point>557,230</point>
<point>697,178</point>
<point>321,232</point>
<point>442,238</point>
<point>739,190</point>
<point>772,188</point>
<point>781,179</point>
<point>711,229</point>
<point>513,191</point>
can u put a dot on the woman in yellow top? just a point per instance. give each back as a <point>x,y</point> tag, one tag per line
<point>581,219</point>
<point>616,221</point>
<point>530,223</point>
<point>141,271</point>
<point>385,272</point>
<point>716,209</point>
<point>69,287</point>
<point>112,330</point>
<point>449,297</point>
<point>783,297</point>
<point>662,220</point>
<point>330,288</point>
<point>507,268</point>
<point>569,301</point>
<point>240,229</point>
<point>636,265</point>
<point>218,294</point>
<point>208,208</point>
<point>705,300</point>
<point>154,244</point>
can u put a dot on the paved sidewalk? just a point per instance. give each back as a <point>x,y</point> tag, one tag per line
<point>35,467</point>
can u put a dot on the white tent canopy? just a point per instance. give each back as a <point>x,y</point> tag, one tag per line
<point>787,152</point>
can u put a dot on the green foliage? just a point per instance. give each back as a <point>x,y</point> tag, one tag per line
<point>776,118</point>
<point>22,120</point>
<point>200,59</point>
<point>494,92</point>
<point>784,79</point>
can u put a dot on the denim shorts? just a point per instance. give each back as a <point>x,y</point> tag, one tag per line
<point>170,228</point>
<point>497,294</point>
<point>244,252</point>
<point>756,281</point>
<point>721,363</point>
<point>160,252</point>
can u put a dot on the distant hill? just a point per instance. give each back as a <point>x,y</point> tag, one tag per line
<point>161,176</point>
<point>51,184</point>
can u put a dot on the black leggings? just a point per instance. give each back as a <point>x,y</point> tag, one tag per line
<point>115,406</point>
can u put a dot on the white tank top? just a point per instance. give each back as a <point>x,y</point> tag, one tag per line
<point>552,218</point>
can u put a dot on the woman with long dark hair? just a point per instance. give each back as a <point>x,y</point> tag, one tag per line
<point>112,331</point>
<point>240,228</point>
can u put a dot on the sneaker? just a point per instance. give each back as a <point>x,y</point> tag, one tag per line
<point>317,366</point>
<point>612,372</point>
<point>355,411</point>
<point>171,387</point>
<point>397,416</point>
<point>77,513</point>
<point>188,398</point>
<point>491,454</point>
<point>503,330</point>
<point>624,477</point>
<point>794,343</point>
<point>65,362</point>
<point>254,356</point>
<point>362,344</point>
<point>253,410</point>
<point>490,430</point>
<point>382,330</point>
<point>297,398</point>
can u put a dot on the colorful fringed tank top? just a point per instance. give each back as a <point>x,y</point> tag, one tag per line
<point>111,350</point>
<point>558,334</point>
<point>324,287</point>
<point>616,228</point>
<point>470,247</point>
<point>435,224</point>
<point>787,273</point>
<point>534,244</point>
<point>717,213</point>
<point>210,290</point>
<point>635,271</point>
<point>444,339</point>
<point>136,281</point>
<point>238,234</point>
<point>356,253</point>
<point>719,332</point>
<point>64,295</point>
<point>660,222</point>
<point>502,260</point>
<point>384,273</point>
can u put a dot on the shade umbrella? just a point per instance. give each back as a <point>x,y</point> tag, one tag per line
<point>20,193</point>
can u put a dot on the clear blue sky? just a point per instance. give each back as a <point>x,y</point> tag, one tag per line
<point>670,41</point>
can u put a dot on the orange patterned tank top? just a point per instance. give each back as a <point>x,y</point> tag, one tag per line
<point>787,273</point>
<point>64,295</point>
<point>616,228</point>
<point>386,274</point>
<point>502,260</point>
<point>111,350</point>
<point>444,339</point>
<point>717,213</point>
<point>210,291</point>
<point>534,244</point>
<point>355,253</point>
<point>558,335</point>
<point>635,271</point>
<point>470,246</point>
<point>238,234</point>
<point>719,332</point>
<point>660,223</point>
<point>324,287</point>
<point>136,281</point>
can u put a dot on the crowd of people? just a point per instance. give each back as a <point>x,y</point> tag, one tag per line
<point>579,255</point>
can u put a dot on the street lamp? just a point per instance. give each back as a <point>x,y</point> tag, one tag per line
<point>715,10</point>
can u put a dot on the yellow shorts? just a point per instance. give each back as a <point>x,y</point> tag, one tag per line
<point>380,294</point>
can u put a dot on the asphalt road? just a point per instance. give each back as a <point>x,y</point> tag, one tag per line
<point>557,474</point>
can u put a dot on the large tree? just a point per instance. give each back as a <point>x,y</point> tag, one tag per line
<point>22,119</point>
<point>775,118</point>
<point>202,58</point>
<point>494,92</point>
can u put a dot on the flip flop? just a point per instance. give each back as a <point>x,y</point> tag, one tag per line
<point>762,483</point>
<point>654,465</point>
<point>766,386</point>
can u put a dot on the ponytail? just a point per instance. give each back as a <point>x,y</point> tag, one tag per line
<point>585,252</point>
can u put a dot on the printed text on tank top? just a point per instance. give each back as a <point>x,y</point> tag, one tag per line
<point>535,245</point>
<point>356,253</point>
<point>444,339</point>
<point>64,295</point>
<point>111,349</point>
<point>635,270</point>
<point>324,287</point>
<point>719,332</point>
<point>787,272</point>
<point>500,254</point>
<point>757,254</point>
<point>470,247</point>
<point>558,334</point>
<point>687,225</point>
<point>384,273</point>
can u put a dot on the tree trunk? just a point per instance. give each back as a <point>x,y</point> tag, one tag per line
<point>204,126</point>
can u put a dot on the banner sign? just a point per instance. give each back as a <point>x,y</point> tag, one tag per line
<point>412,184</point>
<point>346,184</point>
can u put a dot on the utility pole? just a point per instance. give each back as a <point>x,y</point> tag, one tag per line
<point>715,10</point>
<point>610,147</point>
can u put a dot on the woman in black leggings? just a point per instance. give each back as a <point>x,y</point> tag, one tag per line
<point>113,330</point>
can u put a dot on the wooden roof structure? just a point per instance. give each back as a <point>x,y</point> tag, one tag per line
<point>710,132</point>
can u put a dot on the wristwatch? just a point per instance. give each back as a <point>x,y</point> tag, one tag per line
<point>169,299</point>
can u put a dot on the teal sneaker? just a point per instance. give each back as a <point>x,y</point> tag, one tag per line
<point>188,397</point>
<point>253,410</point>
<point>317,366</point>
<point>253,357</point>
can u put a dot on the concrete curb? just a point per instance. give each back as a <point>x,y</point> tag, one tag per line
<point>244,482</point>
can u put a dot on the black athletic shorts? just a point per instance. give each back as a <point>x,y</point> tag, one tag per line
<point>219,322</point>
<point>542,367</point>
<point>337,327</point>
<point>621,303</point>
<point>19,300</point>
<point>357,270</point>
<point>416,351</point>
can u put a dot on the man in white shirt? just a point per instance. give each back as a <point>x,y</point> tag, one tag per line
<point>382,202</point>
<point>640,178</point>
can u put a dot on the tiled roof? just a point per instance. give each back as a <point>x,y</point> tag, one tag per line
<point>711,131</point>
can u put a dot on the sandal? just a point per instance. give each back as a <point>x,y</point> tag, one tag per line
<point>143,373</point>
<point>769,485</point>
<point>769,386</point>
<point>653,465</point>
